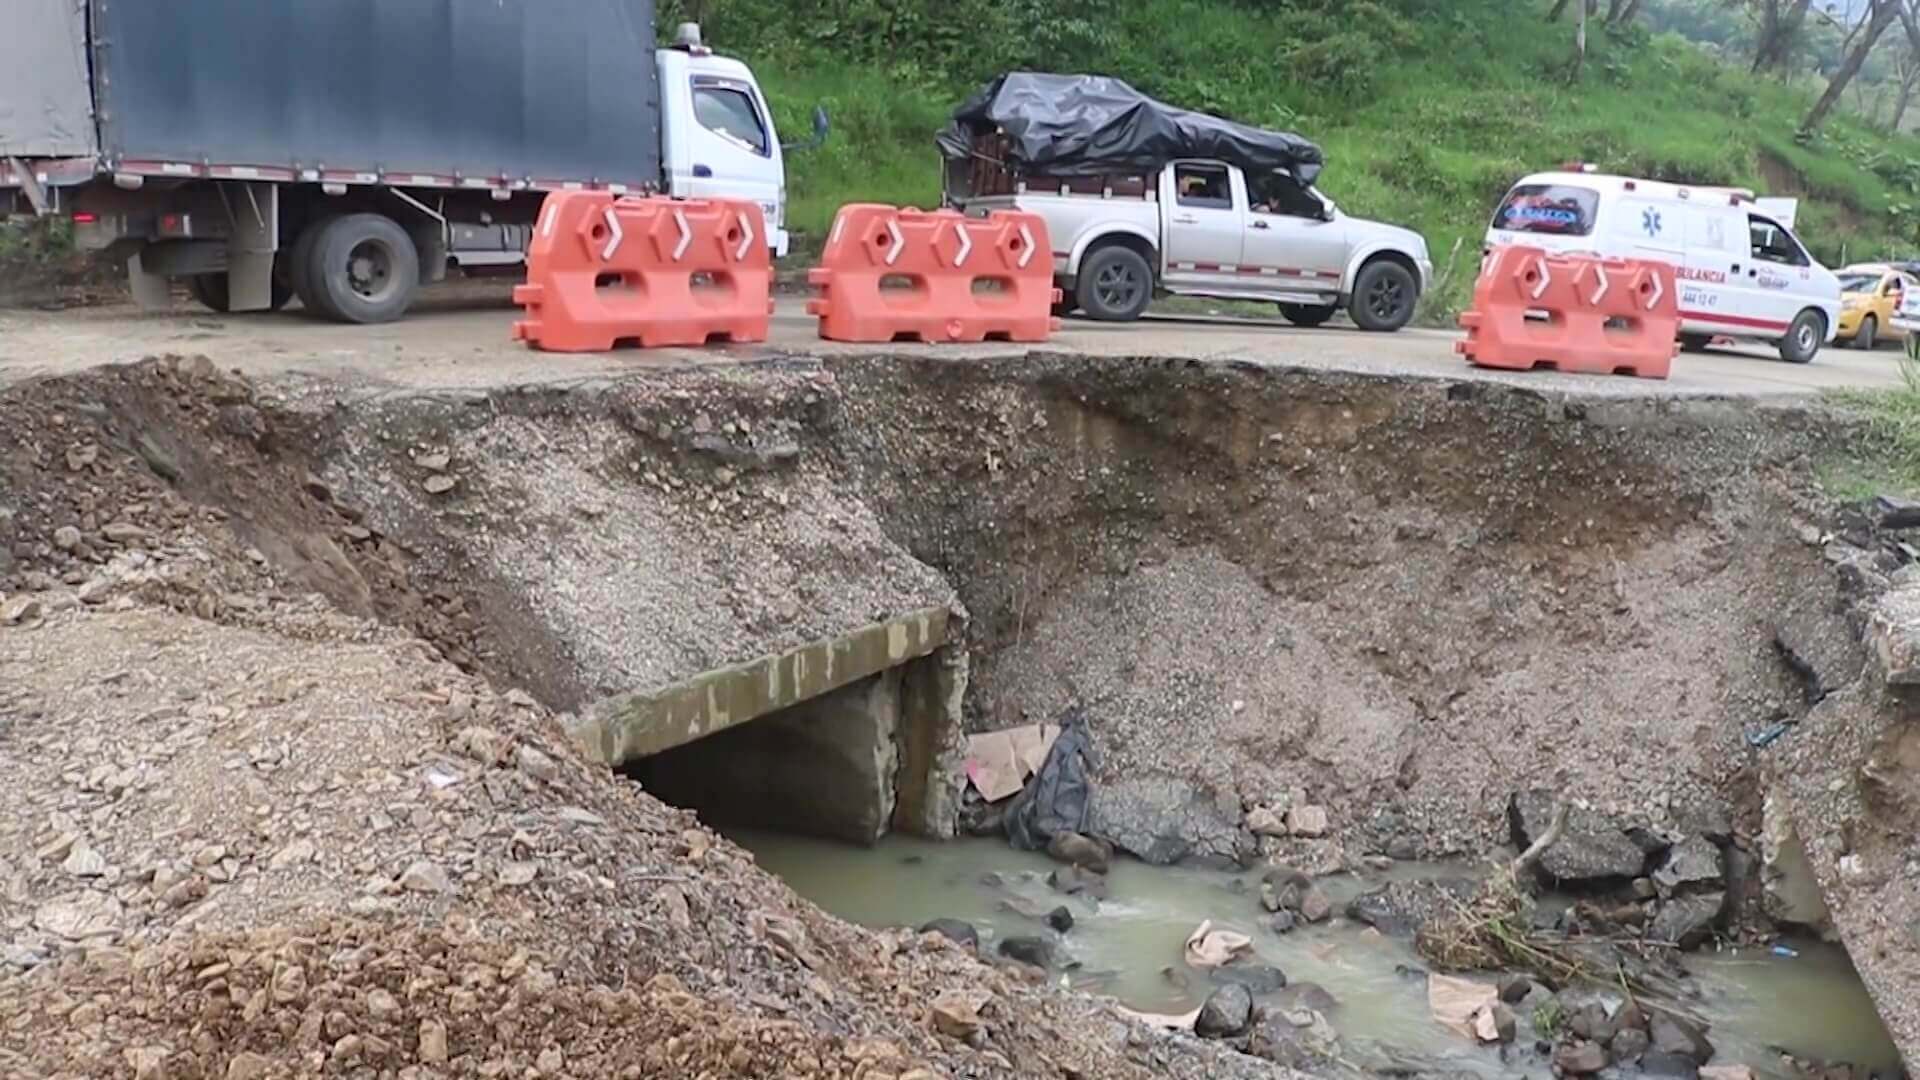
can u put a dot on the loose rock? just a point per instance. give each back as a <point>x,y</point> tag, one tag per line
<point>1032,951</point>
<point>1592,849</point>
<point>1227,1012</point>
<point>1580,1058</point>
<point>1307,821</point>
<point>1672,1035</point>
<point>426,877</point>
<point>954,930</point>
<point>1080,851</point>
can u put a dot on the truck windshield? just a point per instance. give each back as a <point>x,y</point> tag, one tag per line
<point>1556,209</point>
<point>727,111</point>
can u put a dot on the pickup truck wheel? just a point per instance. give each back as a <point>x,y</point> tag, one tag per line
<point>1383,296</point>
<point>1308,315</point>
<point>1803,338</point>
<point>1863,338</point>
<point>1115,285</point>
<point>210,290</point>
<point>363,269</point>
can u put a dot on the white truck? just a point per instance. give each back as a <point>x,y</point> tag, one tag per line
<point>1152,200</point>
<point>346,154</point>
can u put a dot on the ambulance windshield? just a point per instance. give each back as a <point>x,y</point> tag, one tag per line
<point>1556,209</point>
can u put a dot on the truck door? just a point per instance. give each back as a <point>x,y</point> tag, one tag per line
<point>1202,207</point>
<point>724,143</point>
<point>1292,240</point>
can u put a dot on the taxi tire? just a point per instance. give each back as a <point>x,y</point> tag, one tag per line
<point>1867,336</point>
<point>1809,324</point>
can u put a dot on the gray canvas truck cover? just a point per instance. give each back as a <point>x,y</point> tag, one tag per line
<point>541,89</point>
<point>1089,125</point>
<point>46,107</point>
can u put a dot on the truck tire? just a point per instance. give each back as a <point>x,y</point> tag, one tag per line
<point>1308,315</point>
<point>1695,342</point>
<point>1384,296</point>
<point>1115,284</point>
<point>210,290</point>
<point>362,268</point>
<point>1803,339</point>
<point>300,267</point>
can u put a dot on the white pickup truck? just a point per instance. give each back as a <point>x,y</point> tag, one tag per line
<point>1206,228</point>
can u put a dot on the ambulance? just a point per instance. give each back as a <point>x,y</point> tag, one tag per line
<point>1741,272</point>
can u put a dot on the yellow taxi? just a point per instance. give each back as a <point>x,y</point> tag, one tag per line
<point>1870,296</point>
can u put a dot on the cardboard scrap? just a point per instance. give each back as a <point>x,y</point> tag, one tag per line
<point>1210,948</point>
<point>1456,1003</point>
<point>1000,762</point>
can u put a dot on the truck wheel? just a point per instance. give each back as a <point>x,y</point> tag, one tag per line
<point>210,290</point>
<point>1695,342</point>
<point>1383,296</point>
<point>1863,338</point>
<point>1115,284</point>
<point>300,268</point>
<point>1308,315</point>
<point>363,268</point>
<point>1803,338</point>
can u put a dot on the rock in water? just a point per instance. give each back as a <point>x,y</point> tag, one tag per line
<point>1672,1035</point>
<point>1314,906</point>
<point>960,933</point>
<point>1693,865</point>
<point>1676,1066</point>
<point>1060,919</point>
<point>1257,978</point>
<point>1074,881</point>
<point>1081,851</point>
<point>1629,1045</point>
<point>1592,850</point>
<point>1687,921</point>
<point>1035,952</point>
<point>1228,1012</point>
<point>1580,1058</point>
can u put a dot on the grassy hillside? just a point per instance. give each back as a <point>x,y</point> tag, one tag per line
<point>1428,109</point>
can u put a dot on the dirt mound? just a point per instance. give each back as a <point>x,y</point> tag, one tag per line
<point>249,832</point>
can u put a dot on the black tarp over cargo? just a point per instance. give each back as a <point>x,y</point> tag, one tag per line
<point>541,89</point>
<point>1088,125</point>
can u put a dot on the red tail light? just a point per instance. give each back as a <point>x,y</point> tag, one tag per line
<point>84,219</point>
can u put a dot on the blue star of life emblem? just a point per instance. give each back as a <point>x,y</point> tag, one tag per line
<point>1650,221</point>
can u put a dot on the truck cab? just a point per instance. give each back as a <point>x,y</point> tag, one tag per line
<point>1207,228</point>
<point>717,136</point>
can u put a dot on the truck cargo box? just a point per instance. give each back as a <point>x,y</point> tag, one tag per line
<point>523,89</point>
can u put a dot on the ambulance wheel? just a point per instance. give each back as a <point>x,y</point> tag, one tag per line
<point>1695,342</point>
<point>1803,338</point>
<point>1864,338</point>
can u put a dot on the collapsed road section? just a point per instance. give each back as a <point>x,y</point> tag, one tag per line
<point>1396,603</point>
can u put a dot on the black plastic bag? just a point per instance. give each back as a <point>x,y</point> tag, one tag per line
<point>1060,795</point>
<point>1089,125</point>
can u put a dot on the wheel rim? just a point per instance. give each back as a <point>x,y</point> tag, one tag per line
<point>1117,287</point>
<point>1804,339</point>
<point>1385,298</point>
<point>370,271</point>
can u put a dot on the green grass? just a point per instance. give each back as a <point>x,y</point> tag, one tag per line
<point>1885,460</point>
<point>1428,109</point>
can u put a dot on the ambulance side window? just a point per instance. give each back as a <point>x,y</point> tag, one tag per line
<point>1709,231</point>
<point>1771,243</point>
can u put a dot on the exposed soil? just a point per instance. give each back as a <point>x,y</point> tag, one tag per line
<point>278,663</point>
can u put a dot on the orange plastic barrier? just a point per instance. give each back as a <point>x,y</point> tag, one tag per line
<point>1574,313</point>
<point>605,270</point>
<point>912,275</point>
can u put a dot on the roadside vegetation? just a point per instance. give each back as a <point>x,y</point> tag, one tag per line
<point>1885,459</point>
<point>1427,109</point>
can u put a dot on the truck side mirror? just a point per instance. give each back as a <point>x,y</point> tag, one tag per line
<point>821,126</point>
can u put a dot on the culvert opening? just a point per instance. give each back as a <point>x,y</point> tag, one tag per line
<point>826,767</point>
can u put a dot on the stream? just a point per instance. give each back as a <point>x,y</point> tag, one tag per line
<point>1129,947</point>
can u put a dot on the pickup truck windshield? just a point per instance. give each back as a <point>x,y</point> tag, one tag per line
<point>1555,209</point>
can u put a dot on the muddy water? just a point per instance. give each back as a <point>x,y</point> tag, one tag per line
<point>1129,947</point>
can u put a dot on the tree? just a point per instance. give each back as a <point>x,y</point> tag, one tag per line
<point>1780,23</point>
<point>1908,66</point>
<point>1883,15</point>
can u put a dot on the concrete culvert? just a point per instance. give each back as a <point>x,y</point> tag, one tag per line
<point>420,644</point>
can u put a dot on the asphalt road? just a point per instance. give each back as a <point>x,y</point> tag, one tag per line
<point>460,338</point>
